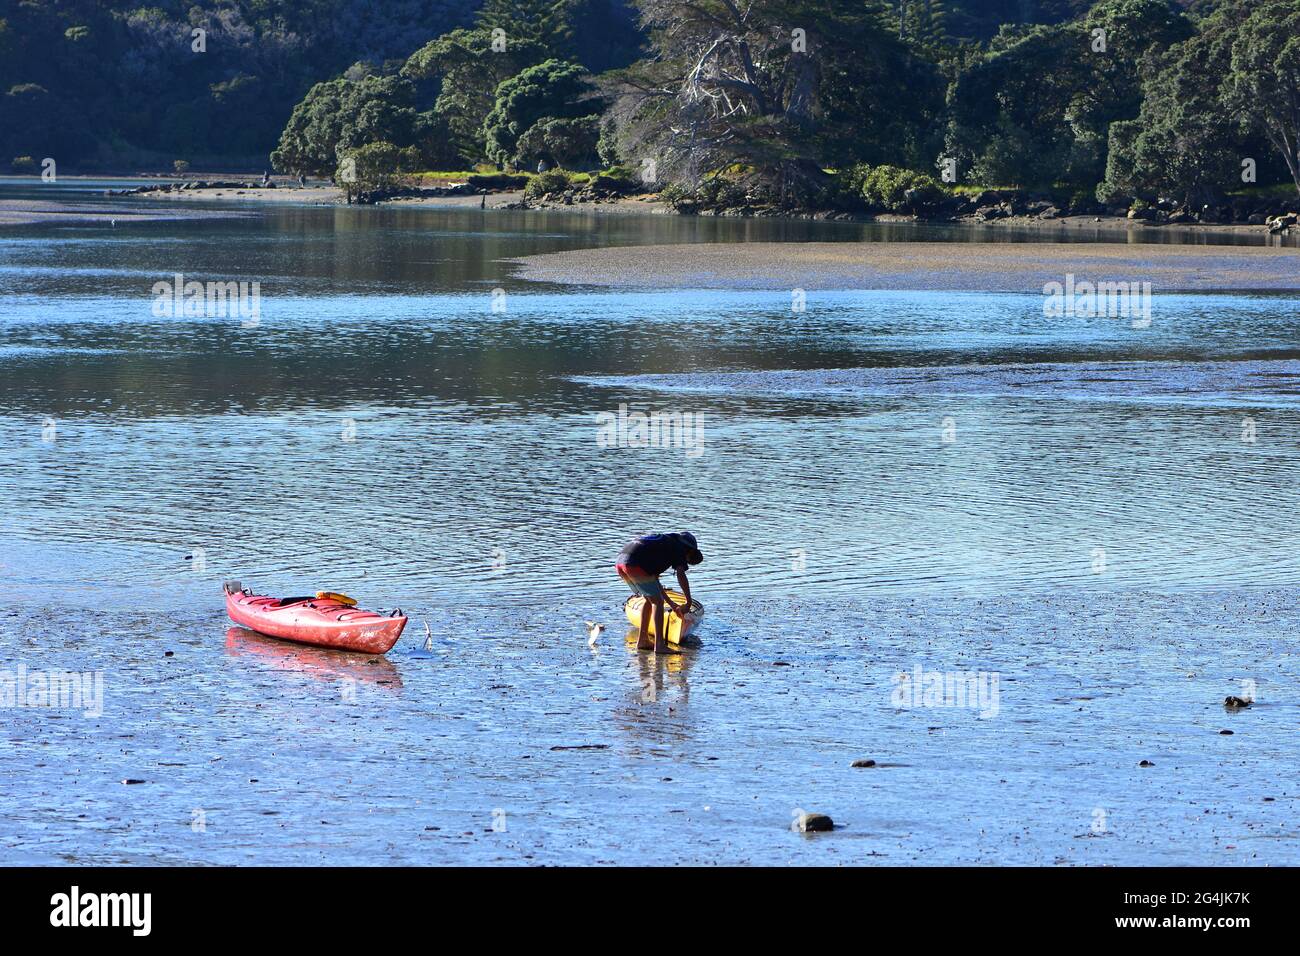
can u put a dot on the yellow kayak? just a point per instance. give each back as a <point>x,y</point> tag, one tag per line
<point>677,627</point>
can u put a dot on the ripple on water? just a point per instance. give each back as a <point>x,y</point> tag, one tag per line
<point>1272,383</point>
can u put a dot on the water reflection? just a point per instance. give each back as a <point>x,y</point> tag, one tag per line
<point>317,663</point>
<point>654,709</point>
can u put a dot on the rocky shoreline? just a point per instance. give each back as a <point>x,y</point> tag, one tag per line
<point>990,206</point>
<point>987,207</point>
<point>1004,205</point>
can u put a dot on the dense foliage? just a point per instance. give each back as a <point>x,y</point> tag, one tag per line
<point>340,116</point>
<point>113,82</point>
<point>549,90</point>
<point>890,104</point>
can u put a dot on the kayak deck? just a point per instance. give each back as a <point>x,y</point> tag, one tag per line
<point>321,621</point>
<point>677,627</point>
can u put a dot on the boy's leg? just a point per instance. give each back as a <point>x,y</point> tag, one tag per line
<point>661,642</point>
<point>638,581</point>
<point>643,642</point>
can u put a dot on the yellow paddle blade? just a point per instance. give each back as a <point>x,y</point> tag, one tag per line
<point>334,596</point>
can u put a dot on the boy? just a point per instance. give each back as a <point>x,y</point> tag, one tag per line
<point>641,562</point>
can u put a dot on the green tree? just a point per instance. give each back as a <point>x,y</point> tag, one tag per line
<point>1231,91</point>
<point>1010,111</point>
<point>1183,141</point>
<point>544,23</point>
<point>570,143</point>
<point>1037,109</point>
<point>342,115</point>
<point>39,123</point>
<point>374,166</point>
<point>1264,82</point>
<point>312,135</point>
<point>552,89</point>
<point>777,88</point>
<point>1130,29</point>
<point>981,19</point>
<point>466,67</point>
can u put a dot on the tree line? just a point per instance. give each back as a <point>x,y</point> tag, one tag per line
<point>807,103</point>
<point>793,103</point>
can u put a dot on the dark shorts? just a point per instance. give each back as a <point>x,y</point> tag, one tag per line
<point>641,582</point>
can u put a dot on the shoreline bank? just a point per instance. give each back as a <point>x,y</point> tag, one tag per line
<point>1066,229</point>
<point>651,203</point>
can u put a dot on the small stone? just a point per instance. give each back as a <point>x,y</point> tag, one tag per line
<point>169,653</point>
<point>1225,733</point>
<point>865,762</point>
<point>815,823</point>
<point>1236,703</point>
<point>1145,763</point>
<point>131,780</point>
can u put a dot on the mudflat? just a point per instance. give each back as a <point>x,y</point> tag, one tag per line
<point>962,266</point>
<point>27,212</point>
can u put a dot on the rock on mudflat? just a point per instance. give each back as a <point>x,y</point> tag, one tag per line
<point>1235,703</point>
<point>815,823</point>
<point>864,762</point>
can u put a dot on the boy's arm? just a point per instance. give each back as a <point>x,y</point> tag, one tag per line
<point>685,585</point>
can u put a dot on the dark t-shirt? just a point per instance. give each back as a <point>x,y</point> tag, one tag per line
<point>656,553</point>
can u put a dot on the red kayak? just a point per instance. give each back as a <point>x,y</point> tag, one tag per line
<point>327,620</point>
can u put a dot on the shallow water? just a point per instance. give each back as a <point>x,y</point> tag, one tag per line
<point>1091,511</point>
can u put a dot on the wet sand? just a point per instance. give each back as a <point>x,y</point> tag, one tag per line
<point>254,193</point>
<point>514,743</point>
<point>965,266</point>
<point>26,212</point>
